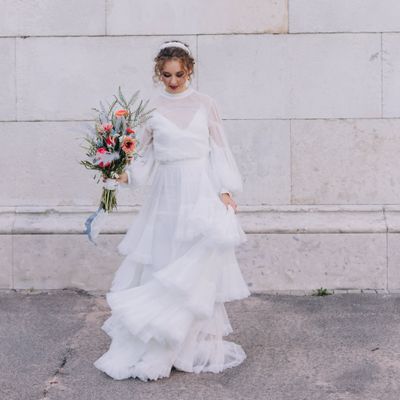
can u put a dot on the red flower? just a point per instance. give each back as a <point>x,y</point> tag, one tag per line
<point>102,165</point>
<point>110,140</point>
<point>130,130</point>
<point>101,150</point>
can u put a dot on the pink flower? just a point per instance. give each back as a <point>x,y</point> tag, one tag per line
<point>128,145</point>
<point>107,127</point>
<point>101,164</point>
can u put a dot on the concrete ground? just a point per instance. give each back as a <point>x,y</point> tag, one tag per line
<point>338,347</point>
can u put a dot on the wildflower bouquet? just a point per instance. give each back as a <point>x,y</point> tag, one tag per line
<point>111,146</point>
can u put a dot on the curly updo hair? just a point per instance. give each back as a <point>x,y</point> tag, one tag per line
<point>170,53</point>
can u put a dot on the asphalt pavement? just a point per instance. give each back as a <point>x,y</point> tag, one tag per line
<point>337,347</point>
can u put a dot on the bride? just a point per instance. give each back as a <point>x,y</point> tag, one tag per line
<point>167,297</point>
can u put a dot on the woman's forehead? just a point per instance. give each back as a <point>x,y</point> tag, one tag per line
<point>173,65</point>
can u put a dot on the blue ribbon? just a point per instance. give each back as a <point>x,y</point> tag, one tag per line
<point>94,223</point>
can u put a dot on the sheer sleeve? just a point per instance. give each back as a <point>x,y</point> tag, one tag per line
<point>223,165</point>
<point>140,170</point>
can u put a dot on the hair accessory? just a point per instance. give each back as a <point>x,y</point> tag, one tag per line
<point>175,44</point>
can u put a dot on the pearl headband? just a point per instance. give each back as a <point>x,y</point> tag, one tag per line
<point>175,44</point>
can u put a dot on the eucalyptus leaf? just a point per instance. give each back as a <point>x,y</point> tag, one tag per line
<point>133,98</point>
<point>121,96</point>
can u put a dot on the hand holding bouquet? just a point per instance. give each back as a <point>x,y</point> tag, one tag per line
<point>112,146</point>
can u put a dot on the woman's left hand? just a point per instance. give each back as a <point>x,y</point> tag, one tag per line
<point>228,200</point>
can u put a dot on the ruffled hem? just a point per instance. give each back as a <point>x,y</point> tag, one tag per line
<point>175,318</point>
<point>203,350</point>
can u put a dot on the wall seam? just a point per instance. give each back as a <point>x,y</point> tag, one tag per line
<point>13,252</point>
<point>192,34</point>
<point>382,75</point>
<point>387,246</point>
<point>15,79</point>
<point>290,161</point>
<point>105,17</point>
<point>225,119</point>
<point>198,58</point>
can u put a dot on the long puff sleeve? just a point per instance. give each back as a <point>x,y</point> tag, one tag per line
<point>140,170</point>
<point>223,165</point>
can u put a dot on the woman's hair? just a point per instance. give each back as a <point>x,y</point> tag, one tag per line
<point>170,53</point>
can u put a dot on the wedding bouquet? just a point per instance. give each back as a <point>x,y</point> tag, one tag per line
<point>111,146</point>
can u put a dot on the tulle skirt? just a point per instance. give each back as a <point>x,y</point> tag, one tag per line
<point>167,297</point>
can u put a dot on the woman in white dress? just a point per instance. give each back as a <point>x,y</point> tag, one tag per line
<point>167,297</point>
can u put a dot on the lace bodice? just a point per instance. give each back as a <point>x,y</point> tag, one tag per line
<point>185,125</point>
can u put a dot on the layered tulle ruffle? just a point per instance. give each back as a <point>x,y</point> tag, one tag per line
<point>180,267</point>
<point>182,204</point>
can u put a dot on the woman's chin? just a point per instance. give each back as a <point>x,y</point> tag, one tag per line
<point>175,89</point>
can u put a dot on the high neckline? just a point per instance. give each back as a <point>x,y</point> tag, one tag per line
<point>179,95</point>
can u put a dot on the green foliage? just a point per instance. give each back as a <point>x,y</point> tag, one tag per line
<point>321,292</point>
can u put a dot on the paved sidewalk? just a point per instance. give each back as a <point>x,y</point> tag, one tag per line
<point>338,347</point>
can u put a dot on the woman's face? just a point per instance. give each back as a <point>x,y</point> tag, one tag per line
<point>174,76</point>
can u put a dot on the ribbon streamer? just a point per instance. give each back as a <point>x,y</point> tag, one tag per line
<point>94,224</point>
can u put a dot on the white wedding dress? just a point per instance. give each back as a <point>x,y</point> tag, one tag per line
<point>167,297</point>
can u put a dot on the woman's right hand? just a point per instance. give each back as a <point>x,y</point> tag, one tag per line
<point>123,178</point>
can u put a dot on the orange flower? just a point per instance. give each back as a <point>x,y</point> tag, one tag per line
<point>128,145</point>
<point>121,113</point>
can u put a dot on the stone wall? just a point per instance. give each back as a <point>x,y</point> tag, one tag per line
<point>309,94</point>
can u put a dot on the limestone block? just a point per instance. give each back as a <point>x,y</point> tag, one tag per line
<point>392,216</point>
<point>6,261</point>
<point>391,74</point>
<point>254,219</point>
<point>262,152</point>
<point>48,172</point>
<point>344,15</point>
<point>59,261</point>
<point>41,165</point>
<point>394,261</point>
<point>133,17</point>
<point>313,219</point>
<point>52,17</point>
<point>7,220</point>
<point>7,81</point>
<point>298,261</point>
<point>268,261</point>
<point>64,78</point>
<point>345,162</point>
<point>292,76</point>
<point>67,220</point>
